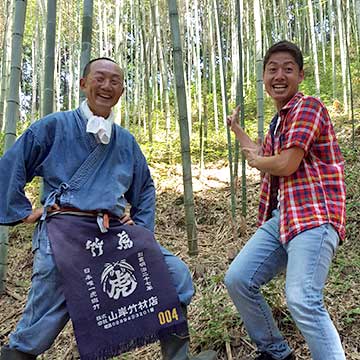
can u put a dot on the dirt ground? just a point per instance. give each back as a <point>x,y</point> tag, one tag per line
<point>213,320</point>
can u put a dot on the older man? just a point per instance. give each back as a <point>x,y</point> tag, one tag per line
<point>107,170</point>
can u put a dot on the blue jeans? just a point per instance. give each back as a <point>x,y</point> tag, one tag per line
<point>306,259</point>
<point>45,314</point>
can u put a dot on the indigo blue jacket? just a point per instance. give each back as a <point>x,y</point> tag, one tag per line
<point>76,170</point>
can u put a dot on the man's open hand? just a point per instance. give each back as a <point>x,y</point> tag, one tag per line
<point>36,214</point>
<point>233,119</point>
<point>126,220</point>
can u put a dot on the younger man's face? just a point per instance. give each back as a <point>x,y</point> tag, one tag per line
<point>282,77</point>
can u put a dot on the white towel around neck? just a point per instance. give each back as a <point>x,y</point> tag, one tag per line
<point>98,125</point>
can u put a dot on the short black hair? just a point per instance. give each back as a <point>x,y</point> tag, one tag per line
<point>86,70</point>
<point>285,46</point>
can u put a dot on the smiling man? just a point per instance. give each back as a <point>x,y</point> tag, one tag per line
<point>91,169</point>
<point>301,214</point>
<point>103,84</point>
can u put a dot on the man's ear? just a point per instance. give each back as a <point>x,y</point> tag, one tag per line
<point>82,83</point>
<point>301,75</point>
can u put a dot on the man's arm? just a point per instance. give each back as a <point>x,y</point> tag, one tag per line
<point>283,164</point>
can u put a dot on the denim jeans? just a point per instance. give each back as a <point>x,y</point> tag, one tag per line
<point>45,314</point>
<point>306,259</point>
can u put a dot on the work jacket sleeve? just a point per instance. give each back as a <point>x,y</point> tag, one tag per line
<point>18,167</point>
<point>141,194</point>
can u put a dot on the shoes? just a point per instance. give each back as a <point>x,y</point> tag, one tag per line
<point>13,354</point>
<point>177,348</point>
<point>266,356</point>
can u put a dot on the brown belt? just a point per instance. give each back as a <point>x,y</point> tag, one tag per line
<point>75,211</point>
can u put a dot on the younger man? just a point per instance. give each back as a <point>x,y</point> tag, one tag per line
<point>301,214</point>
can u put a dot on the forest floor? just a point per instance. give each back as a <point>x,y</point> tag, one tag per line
<point>214,322</point>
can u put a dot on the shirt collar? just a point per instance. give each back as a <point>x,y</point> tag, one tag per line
<point>292,102</point>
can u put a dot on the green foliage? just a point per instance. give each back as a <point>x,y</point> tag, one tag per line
<point>217,313</point>
<point>170,153</point>
<point>32,191</point>
<point>353,315</point>
<point>162,152</point>
<point>20,128</point>
<point>308,84</point>
<point>352,171</point>
<point>2,140</point>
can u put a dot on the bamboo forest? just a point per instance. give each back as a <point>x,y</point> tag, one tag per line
<point>187,64</point>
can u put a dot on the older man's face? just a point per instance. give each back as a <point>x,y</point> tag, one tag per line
<point>103,86</point>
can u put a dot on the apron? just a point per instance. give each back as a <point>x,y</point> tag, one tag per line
<point>117,286</point>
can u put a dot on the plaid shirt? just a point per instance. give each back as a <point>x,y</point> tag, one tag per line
<point>315,193</point>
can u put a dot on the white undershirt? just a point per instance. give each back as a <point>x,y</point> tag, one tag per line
<point>276,128</point>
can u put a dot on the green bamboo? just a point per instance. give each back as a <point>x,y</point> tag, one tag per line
<point>48,99</point>
<point>225,112</point>
<point>162,66</point>
<point>86,38</point>
<point>314,47</point>
<point>357,11</point>
<point>184,128</point>
<point>143,24</point>
<point>4,68</point>
<point>12,113</point>
<point>240,100</point>
<point>259,72</point>
<point>332,45</point>
<point>351,114</point>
